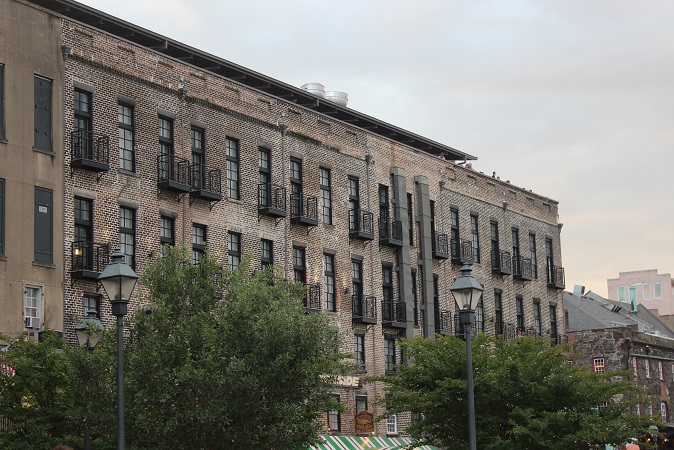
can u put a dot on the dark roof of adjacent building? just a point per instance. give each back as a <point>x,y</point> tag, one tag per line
<point>593,312</point>
<point>254,80</point>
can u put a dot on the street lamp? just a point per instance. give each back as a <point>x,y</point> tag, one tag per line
<point>467,293</point>
<point>118,280</point>
<point>88,332</point>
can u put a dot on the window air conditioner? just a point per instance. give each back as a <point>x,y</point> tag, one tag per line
<point>32,322</point>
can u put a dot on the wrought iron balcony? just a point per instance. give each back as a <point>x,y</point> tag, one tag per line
<point>440,246</point>
<point>393,314</point>
<point>173,173</point>
<point>556,277</point>
<point>532,332</point>
<point>522,269</point>
<point>390,232</point>
<point>443,322</point>
<point>462,251</point>
<point>364,309</point>
<point>271,200</point>
<point>501,262</point>
<point>361,225</point>
<point>304,210</point>
<point>459,330</point>
<point>90,151</point>
<point>88,259</point>
<point>505,331</point>
<point>206,183</point>
<point>312,298</point>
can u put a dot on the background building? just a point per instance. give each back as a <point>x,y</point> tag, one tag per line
<point>646,287</point>
<point>167,144</point>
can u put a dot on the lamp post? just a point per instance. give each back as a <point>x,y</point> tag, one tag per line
<point>88,332</point>
<point>467,293</point>
<point>118,280</point>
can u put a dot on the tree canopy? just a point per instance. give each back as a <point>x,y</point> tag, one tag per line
<point>527,396</point>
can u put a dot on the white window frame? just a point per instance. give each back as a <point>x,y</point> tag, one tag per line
<point>599,365</point>
<point>621,288</point>
<point>39,307</point>
<point>646,291</point>
<point>661,370</point>
<point>650,409</point>
<point>635,364</point>
<point>647,363</point>
<point>657,286</point>
<point>638,409</point>
<point>663,411</point>
<point>392,424</point>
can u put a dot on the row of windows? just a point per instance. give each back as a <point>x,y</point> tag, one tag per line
<point>334,418</point>
<point>664,415</point>
<point>645,292</point>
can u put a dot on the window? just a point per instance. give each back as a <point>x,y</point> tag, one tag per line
<point>91,305</point>
<point>647,364</point>
<point>598,365</point>
<point>663,411</point>
<point>415,297</point>
<point>392,424</point>
<point>329,267</point>
<point>454,227</point>
<point>635,366</point>
<point>2,214</point>
<point>657,290</point>
<point>383,203</point>
<point>479,317</point>
<point>83,234</point>
<point>390,354</point>
<point>498,311</point>
<point>661,373</point>
<point>410,217</point>
<point>516,245</point>
<point>32,306</point>
<point>633,294</point>
<point>42,116</point>
<point>299,264</point>
<point>495,249</point>
<point>232,147</point>
<point>387,289</point>
<point>43,236</point>
<point>638,409</point>
<point>166,231</point>
<point>537,318</point>
<point>127,235</point>
<point>359,351</point>
<point>436,301</point>
<point>553,321</point>
<point>2,103</point>
<point>198,242</point>
<point>532,255</point>
<point>266,253</point>
<point>295,176</point>
<point>354,203</point>
<point>646,291</point>
<point>125,132</point>
<point>475,238</point>
<point>264,163</point>
<point>650,410</point>
<point>357,280</point>
<point>326,196</point>
<point>621,293</point>
<point>519,305</point>
<point>334,418</point>
<point>361,403</point>
<point>166,148</point>
<point>82,124</point>
<point>233,250</point>
<point>198,168</point>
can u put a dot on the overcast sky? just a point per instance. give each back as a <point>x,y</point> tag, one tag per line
<point>573,99</point>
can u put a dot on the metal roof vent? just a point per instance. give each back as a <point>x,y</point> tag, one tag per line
<point>341,98</point>
<point>315,88</point>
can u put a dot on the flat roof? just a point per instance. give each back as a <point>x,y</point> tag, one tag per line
<point>218,66</point>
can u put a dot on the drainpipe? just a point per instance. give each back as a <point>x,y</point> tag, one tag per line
<point>182,91</point>
<point>368,161</point>
<point>284,129</point>
<point>66,50</point>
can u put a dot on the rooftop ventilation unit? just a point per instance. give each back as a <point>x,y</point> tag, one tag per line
<point>315,88</point>
<point>341,98</point>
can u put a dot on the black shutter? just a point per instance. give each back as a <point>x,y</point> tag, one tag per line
<point>44,218</point>
<point>42,113</point>
<point>2,108</point>
<point>2,217</point>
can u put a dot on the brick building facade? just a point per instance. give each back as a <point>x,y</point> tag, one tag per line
<point>166,144</point>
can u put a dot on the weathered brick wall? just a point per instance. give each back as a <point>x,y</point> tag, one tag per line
<point>113,69</point>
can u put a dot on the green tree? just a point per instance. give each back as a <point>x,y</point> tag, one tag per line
<point>226,359</point>
<point>527,396</point>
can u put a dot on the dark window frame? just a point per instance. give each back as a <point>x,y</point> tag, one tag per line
<point>410,217</point>
<point>538,326</point>
<point>415,296</point>
<point>199,240</point>
<point>475,237</point>
<point>127,155</point>
<point>390,358</point>
<point>198,146</point>
<point>296,183</point>
<point>384,202</point>
<point>85,116</point>
<point>266,253</point>
<point>498,310</point>
<point>455,235</point>
<point>87,310</point>
<point>334,416</point>
<point>357,278</point>
<point>359,356</point>
<point>128,231</point>
<point>532,255</point>
<point>2,217</point>
<point>300,264</point>
<point>325,174</point>
<point>330,282</point>
<point>163,239</point>
<point>2,104</point>
<point>553,320</point>
<point>361,400</point>
<point>233,163</point>
<point>234,250</point>
<point>520,317</point>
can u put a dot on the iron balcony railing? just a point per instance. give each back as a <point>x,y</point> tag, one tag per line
<point>441,246</point>
<point>459,330</point>
<point>271,200</point>
<point>462,251</point>
<point>88,259</point>
<point>173,173</point>
<point>393,314</point>
<point>501,262</point>
<point>312,298</point>
<point>90,150</point>
<point>504,330</point>
<point>390,232</point>
<point>522,268</point>
<point>364,309</point>
<point>206,183</point>
<point>556,277</point>
<point>443,321</point>
<point>304,209</point>
<point>361,225</point>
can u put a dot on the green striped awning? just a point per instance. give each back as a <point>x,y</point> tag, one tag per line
<point>366,443</point>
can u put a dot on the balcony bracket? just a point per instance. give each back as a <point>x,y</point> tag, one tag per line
<point>180,196</point>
